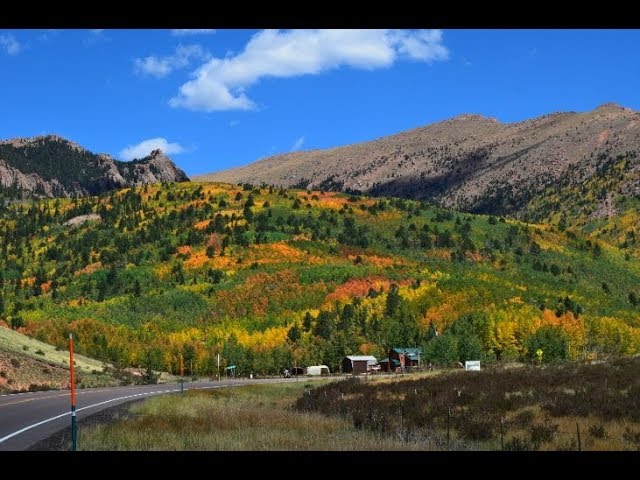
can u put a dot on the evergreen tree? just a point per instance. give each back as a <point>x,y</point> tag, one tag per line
<point>393,300</point>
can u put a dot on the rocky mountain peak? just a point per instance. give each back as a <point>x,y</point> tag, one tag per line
<point>50,166</point>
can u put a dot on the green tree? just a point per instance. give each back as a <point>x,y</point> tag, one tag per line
<point>442,350</point>
<point>431,332</point>
<point>294,333</point>
<point>307,322</point>
<point>470,330</point>
<point>553,342</point>
<point>393,300</point>
<point>325,324</point>
<point>136,291</point>
<point>16,322</point>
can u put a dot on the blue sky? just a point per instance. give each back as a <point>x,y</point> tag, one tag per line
<point>223,98</point>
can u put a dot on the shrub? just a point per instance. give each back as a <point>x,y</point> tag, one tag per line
<point>519,444</point>
<point>15,362</point>
<point>597,431</point>
<point>632,436</point>
<point>39,352</point>
<point>34,387</point>
<point>543,432</point>
<point>523,419</point>
<point>481,428</point>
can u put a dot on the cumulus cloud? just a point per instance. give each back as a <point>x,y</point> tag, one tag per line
<point>10,44</point>
<point>297,145</point>
<point>145,147</point>
<point>220,83</point>
<point>182,32</point>
<point>160,67</point>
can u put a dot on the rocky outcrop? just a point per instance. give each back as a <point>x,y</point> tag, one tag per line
<point>81,219</point>
<point>157,167</point>
<point>32,182</point>
<point>51,166</point>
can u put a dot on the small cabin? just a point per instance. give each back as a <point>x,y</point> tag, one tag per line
<point>359,364</point>
<point>404,357</point>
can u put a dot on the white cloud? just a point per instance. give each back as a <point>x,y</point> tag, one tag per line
<point>145,147</point>
<point>220,83</point>
<point>162,66</point>
<point>10,44</point>
<point>181,32</point>
<point>297,144</point>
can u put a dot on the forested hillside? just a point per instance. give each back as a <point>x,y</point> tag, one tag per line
<point>170,275</point>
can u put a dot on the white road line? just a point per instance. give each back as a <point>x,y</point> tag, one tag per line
<point>22,430</point>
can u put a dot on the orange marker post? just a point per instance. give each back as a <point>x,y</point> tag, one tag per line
<point>74,430</point>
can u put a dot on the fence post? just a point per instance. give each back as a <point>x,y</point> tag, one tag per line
<point>449,425</point>
<point>401,425</point>
<point>502,433</point>
<point>578,432</point>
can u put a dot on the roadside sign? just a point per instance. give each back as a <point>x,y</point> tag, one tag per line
<point>472,365</point>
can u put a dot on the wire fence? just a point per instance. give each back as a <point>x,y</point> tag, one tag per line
<point>456,429</point>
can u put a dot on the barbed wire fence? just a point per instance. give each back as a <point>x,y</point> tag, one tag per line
<point>452,428</point>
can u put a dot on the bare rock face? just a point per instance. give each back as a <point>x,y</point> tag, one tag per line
<point>51,166</point>
<point>12,178</point>
<point>80,219</point>
<point>469,162</point>
<point>157,167</point>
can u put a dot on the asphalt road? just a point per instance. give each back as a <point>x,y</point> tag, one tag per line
<point>27,418</point>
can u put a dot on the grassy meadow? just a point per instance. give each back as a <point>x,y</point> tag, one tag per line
<point>259,417</point>
<point>564,407</point>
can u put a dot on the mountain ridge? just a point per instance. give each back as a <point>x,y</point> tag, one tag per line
<point>465,162</point>
<point>52,166</point>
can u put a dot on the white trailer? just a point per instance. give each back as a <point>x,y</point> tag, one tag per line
<point>318,370</point>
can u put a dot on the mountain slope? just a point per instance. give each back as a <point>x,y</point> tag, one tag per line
<point>469,163</point>
<point>167,276</point>
<point>28,364</point>
<point>50,166</point>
